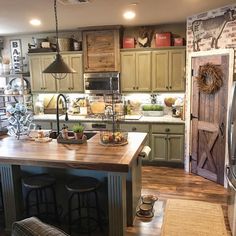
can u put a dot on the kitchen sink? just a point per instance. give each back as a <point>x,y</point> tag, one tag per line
<point>89,134</point>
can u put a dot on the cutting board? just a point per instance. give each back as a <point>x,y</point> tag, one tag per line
<point>97,107</point>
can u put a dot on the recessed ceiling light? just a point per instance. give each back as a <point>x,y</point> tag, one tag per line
<point>35,22</point>
<point>129,15</point>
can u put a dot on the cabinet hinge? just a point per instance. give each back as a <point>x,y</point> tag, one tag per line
<point>190,158</point>
<point>192,72</point>
<point>193,117</point>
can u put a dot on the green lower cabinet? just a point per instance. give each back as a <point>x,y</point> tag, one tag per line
<point>134,127</point>
<point>167,147</point>
<point>175,148</point>
<point>159,147</point>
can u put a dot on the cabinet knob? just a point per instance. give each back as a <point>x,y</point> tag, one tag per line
<point>167,130</point>
<point>170,87</point>
<point>166,87</point>
<point>137,87</point>
<point>134,128</point>
<point>133,88</point>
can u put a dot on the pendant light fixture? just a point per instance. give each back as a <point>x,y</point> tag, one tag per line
<point>58,68</point>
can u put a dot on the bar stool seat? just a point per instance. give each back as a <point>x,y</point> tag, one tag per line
<point>83,184</point>
<point>39,181</point>
<point>84,187</point>
<point>40,197</point>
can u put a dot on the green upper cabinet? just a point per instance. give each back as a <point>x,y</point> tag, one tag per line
<point>160,71</point>
<point>73,82</point>
<point>136,71</point>
<point>46,83</point>
<point>168,70</point>
<point>41,82</point>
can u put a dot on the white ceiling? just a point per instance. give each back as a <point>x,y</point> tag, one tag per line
<point>15,14</point>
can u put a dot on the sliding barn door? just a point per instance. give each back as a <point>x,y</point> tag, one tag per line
<point>209,113</point>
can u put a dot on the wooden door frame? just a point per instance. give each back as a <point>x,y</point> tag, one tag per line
<point>190,56</point>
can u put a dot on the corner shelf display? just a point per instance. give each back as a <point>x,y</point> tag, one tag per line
<point>114,112</point>
<point>15,88</point>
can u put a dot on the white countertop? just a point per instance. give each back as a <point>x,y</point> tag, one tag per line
<point>129,119</point>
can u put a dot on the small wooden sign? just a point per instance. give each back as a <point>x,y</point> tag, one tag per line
<point>16,55</point>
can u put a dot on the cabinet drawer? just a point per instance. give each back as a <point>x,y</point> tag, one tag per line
<point>135,127</point>
<point>168,128</point>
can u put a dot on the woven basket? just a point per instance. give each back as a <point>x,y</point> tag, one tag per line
<point>64,44</point>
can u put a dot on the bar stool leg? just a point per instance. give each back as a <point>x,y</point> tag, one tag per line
<point>88,212</point>
<point>37,202</point>
<point>79,205</point>
<point>70,212</point>
<point>27,203</point>
<point>98,211</point>
<point>45,197</point>
<point>55,205</point>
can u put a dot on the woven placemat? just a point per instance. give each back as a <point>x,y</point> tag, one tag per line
<point>193,218</point>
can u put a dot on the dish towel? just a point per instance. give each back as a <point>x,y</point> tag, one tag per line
<point>145,152</point>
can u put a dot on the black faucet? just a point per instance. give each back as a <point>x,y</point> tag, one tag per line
<point>66,116</point>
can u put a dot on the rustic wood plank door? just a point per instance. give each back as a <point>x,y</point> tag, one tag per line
<point>209,114</point>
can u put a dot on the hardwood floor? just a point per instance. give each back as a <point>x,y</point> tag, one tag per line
<point>173,183</point>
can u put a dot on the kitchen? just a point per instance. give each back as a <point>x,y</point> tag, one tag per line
<point>164,131</point>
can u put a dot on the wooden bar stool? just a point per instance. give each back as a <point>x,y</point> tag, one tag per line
<point>40,197</point>
<point>83,188</point>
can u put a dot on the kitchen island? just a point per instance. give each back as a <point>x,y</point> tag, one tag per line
<point>121,164</point>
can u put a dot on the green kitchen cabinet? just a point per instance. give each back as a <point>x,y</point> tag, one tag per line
<point>41,82</point>
<point>136,71</point>
<point>167,142</point>
<point>134,127</point>
<point>73,82</point>
<point>168,70</point>
<point>46,83</point>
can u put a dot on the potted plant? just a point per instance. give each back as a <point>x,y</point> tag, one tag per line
<point>78,130</point>
<point>153,110</point>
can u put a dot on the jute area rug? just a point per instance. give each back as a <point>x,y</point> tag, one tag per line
<point>193,218</point>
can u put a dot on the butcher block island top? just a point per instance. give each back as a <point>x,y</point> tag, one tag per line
<point>91,155</point>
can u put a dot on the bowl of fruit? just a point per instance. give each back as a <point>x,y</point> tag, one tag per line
<point>113,138</point>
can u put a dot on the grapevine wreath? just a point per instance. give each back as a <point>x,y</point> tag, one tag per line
<point>209,78</point>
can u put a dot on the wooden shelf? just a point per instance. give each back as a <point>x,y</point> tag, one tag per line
<point>26,74</point>
<point>11,95</point>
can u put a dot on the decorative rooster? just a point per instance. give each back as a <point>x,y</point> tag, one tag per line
<point>145,37</point>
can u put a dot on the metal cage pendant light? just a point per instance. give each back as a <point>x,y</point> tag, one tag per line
<point>58,68</point>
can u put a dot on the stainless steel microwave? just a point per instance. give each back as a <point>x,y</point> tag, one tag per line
<point>102,83</point>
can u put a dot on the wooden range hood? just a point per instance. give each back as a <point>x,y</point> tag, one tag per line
<point>101,48</point>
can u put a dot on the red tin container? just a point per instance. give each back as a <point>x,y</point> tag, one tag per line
<point>178,41</point>
<point>128,43</point>
<point>163,39</point>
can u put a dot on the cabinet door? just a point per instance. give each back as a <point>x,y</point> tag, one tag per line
<point>65,84</point>
<point>72,82</point>
<point>143,71</point>
<point>175,148</point>
<point>77,80</point>
<point>37,82</point>
<point>159,147</point>
<point>177,70</point>
<point>48,80</point>
<point>128,71</point>
<point>101,50</point>
<point>160,71</point>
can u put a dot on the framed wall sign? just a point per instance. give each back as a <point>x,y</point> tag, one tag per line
<point>16,55</point>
